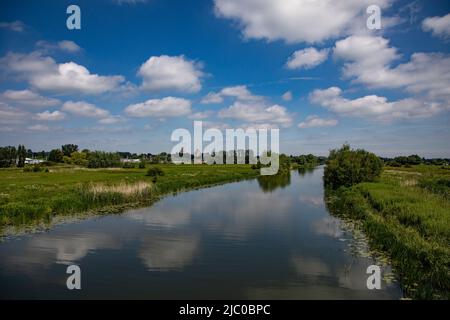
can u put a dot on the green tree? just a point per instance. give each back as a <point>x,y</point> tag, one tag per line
<point>8,156</point>
<point>21,154</point>
<point>79,158</point>
<point>346,167</point>
<point>99,159</point>
<point>56,155</point>
<point>68,149</point>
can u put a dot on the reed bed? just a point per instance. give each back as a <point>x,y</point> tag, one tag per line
<point>410,222</point>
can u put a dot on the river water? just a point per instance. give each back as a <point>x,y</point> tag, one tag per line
<point>270,238</point>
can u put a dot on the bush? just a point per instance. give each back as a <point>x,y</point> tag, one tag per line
<point>56,155</point>
<point>128,165</point>
<point>67,160</point>
<point>47,164</point>
<point>256,166</point>
<point>346,167</point>
<point>436,185</point>
<point>79,158</point>
<point>34,169</point>
<point>142,165</point>
<point>99,159</point>
<point>155,171</point>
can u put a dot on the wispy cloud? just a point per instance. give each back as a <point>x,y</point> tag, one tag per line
<point>16,26</point>
<point>317,122</point>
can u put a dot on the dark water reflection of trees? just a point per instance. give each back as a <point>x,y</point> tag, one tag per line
<point>281,180</point>
<point>271,183</point>
<point>304,170</point>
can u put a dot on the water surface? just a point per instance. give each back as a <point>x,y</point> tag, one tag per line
<point>270,238</point>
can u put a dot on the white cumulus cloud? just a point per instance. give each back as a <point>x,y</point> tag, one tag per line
<point>160,108</point>
<point>369,60</point>
<point>257,113</point>
<point>438,26</point>
<point>43,73</point>
<point>296,20</point>
<point>251,108</point>
<point>373,106</point>
<point>84,109</point>
<point>171,73</point>
<point>306,58</point>
<point>28,98</point>
<point>240,92</point>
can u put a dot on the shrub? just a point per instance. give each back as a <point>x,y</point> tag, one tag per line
<point>346,167</point>
<point>98,159</point>
<point>256,166</point>
<point>47,164</point>
<point>34,169</point>
<point>79,158</point>
<point>439,185</point>
<point>128,165</point>
<point>142,165</point>
<point>155,171</point>
<point>67,160</point>
<point>37,169</point>
<point>56,155</point>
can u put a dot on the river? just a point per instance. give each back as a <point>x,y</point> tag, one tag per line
<point>267,238</point>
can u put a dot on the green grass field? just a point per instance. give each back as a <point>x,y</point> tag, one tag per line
<point>29,199</point>
<point>407,215</point>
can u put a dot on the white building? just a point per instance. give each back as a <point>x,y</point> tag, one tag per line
<point>130,160</point>
<point>33,161</point>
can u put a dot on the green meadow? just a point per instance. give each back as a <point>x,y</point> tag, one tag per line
<point>406,214</point>
<point>30,199</point>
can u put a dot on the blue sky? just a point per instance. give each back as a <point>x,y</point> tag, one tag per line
<point>137,70</point>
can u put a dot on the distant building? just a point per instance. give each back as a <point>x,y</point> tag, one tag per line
<point>130,160</point>
<point>33,161</point>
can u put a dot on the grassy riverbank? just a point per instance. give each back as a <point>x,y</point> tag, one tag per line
<point>36,198</point>
<point>407,215</point>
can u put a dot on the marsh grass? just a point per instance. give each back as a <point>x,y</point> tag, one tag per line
<point>409,221</point>
<point>122,191</point>
<point>95,195</point>
<point>28,199</point>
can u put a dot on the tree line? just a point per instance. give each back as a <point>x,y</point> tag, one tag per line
<point>414,160</point>
<point>70,154</point>
<point>12,156</point>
